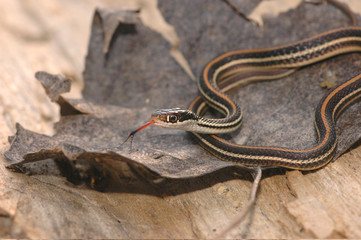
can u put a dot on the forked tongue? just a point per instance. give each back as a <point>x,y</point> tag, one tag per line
<point>137,130</point>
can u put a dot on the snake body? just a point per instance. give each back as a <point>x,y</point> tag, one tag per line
<point>235,68</point>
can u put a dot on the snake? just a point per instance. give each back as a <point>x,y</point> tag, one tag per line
<point>240,67</point>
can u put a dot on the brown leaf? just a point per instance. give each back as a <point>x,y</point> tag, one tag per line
<point>54,84</point>
<point>138,76</point>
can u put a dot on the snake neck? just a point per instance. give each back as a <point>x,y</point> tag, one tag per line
<point>218,126</point>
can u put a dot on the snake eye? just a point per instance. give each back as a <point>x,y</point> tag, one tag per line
<point>172,118</point>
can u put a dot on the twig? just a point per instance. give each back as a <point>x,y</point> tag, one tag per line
<point>257,175</point>
<point>236,10</point>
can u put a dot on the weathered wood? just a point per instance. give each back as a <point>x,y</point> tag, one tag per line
<point>53,36</point>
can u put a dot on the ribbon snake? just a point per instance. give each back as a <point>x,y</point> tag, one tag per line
<point>236,68</point>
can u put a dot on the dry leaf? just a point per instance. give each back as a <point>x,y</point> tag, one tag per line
<point>137,76</point>
<point>272,8</point>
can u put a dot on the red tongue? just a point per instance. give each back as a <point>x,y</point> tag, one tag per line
<point>137,130</point>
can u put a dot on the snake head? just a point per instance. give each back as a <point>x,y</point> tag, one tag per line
<point>175,118</point>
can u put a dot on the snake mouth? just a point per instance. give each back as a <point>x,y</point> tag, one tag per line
<point>174,118</point>
<point>161,121</point>
<point>158,119</point>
